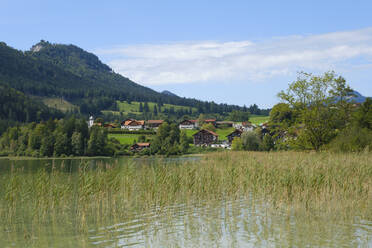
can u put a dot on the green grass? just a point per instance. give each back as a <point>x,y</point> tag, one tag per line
<point>133,107</point>
<point>222,133</point>
<point>258,119</point>
<point>127,138</point>
<point>59,103</point>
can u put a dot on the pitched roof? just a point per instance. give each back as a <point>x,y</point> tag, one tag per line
<point>236,131</point>
<point>143,144</point>
<point>208,131</point>
<point>186,122</point>
<point>210,120</point>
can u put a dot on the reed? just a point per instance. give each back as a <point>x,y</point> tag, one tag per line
<point>325,182</point>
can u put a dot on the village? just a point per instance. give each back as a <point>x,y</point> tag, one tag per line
<point>203,133</point>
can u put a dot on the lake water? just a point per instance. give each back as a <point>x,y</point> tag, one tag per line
<point>245,222</point>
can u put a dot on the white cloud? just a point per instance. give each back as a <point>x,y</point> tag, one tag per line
<point>189,62</point>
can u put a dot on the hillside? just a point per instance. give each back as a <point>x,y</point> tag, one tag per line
<point>17,107</point>
<point>69,72</point>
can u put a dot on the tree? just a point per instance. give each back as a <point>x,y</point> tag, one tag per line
<point>267,143</point>
<point>61,146</point>
<point>319,102</point>
<point>201,120</point>
<point>251,141</point>
<point>184,141</point>
<point>146,108</point>
<point>236,115</point>
<point>282,114</point>
<point>237,144</point>
<point>77,143</point>
<point>140,107</point>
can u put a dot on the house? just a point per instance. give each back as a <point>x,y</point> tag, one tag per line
<point>132,124</point>
<point>211,121</point>
<point>236,133</point>
<point>205,137</point>
<point>153,124</point>
<point>139,147</point>
<point>247,126</point>
<point>188,124</point>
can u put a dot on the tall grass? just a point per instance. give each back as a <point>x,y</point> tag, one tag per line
<point>327,182</point>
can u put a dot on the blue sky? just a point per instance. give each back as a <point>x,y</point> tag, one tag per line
<point>239,52</point>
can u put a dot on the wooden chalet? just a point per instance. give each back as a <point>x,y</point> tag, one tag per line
<point>139,147</point>
<point>205,138</point>
<point>236,133</point>
<point>132,124</point>
<point>188,124</point>
<point>153,124</point>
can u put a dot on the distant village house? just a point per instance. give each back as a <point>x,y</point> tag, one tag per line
<point>188,124</point>
<point>236,133</point>
<point>132,125</point>
<point>205,138</point>
<point>139,147</point>
<point>153,124</point>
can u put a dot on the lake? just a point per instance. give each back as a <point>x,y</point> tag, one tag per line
<point>247,220</point>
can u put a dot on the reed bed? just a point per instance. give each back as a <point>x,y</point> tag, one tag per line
<point>323,182</point>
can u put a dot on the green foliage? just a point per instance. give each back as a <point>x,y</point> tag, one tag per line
<point>70,73</point>
<point>352,139</point>
<point>237,115</point>
<point>363,116</point>
<point>237,144</point>
<point>15,106</point>
<point>251,141</point>
<point>267,143</point>
<point>313,99</point>
<point>58,138</point>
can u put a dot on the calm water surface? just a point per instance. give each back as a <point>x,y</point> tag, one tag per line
<point>246,222</point>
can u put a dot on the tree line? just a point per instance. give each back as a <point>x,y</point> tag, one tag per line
<point>317,112</point>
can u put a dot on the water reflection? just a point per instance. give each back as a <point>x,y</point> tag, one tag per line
<point>238,223</point>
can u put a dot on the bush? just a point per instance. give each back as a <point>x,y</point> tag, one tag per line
<point>354,139</point>
<point>251,141</point>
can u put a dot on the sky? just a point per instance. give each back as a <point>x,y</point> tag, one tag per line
<point>236,52</point>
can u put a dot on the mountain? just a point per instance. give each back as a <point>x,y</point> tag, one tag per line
<point>79,77</point>
<point>356,97</point>
<point>168,93</point>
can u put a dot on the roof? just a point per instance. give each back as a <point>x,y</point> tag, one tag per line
<point>142,144</point>
<point>155,121</point>
<point>206,130</point>
<point>186,122</point>
<point>210,120</point>
<point>131,122</point>
<point>225,122</point>
<point>246,124</point>
<point>235,131</point>
<point>194,121</point>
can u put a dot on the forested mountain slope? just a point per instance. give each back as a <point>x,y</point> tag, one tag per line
<point>69,72</point>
